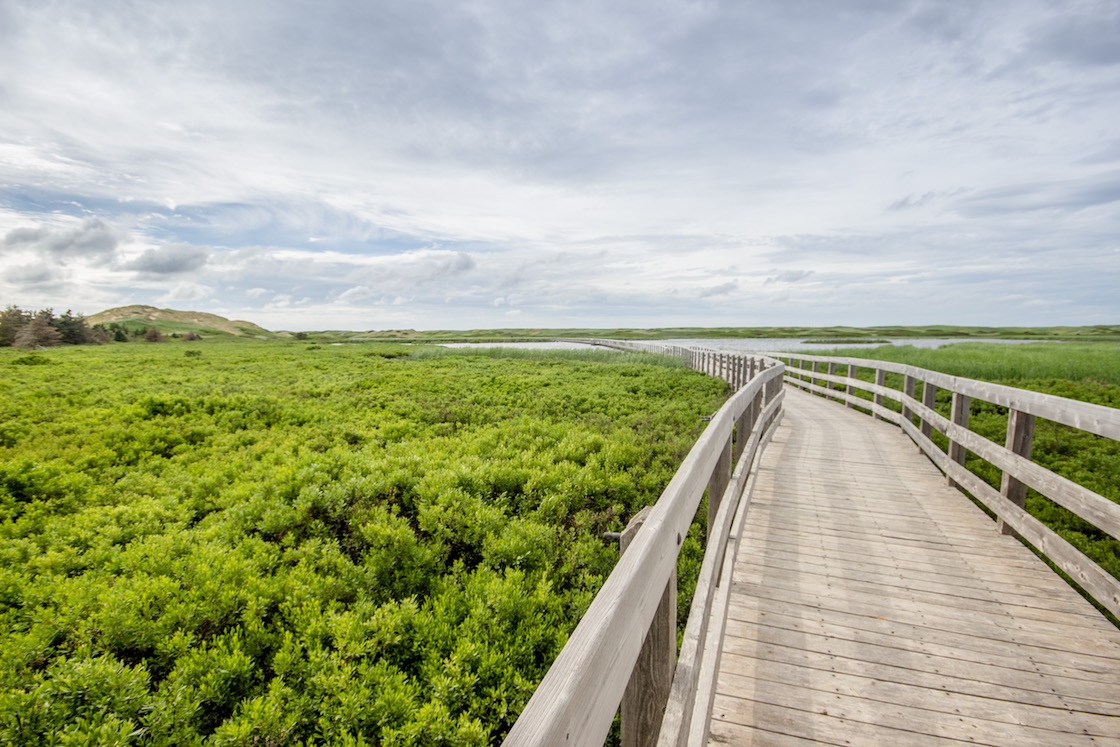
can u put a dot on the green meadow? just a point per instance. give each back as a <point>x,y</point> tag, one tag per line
<point>249,543</point>
<point>244,542</point>
<point>822,335</point>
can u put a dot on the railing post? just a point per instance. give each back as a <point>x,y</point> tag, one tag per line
<point>852,371</point>
<point>962,406</point>
<point>1020,440</point>
<point>908,390</point>
<point>745,424</point>
<point>717,483</point>
<point>832,372</point>
<point>929,399</point>
<point>880,380</point>
<point>643,702</point>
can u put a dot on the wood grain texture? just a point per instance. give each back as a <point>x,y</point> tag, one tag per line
<point>643,702</point>
<point>874,604</point>
<point>1020,441</point>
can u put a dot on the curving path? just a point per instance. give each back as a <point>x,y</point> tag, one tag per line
<point>874,605</point>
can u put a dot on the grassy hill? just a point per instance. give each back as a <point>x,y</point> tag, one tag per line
<point>169,321</point>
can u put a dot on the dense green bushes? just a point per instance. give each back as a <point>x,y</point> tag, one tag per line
<point>284,544</point>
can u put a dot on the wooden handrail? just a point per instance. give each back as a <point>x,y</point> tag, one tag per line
<point>1012,457</point>
<point>576,701</point>
<point>1096,419</point>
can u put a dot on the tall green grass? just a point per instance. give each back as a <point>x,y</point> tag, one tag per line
<point>1093,362</point>
<point>588,355</point>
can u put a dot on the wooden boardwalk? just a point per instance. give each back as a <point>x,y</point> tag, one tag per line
<point>874,605</point>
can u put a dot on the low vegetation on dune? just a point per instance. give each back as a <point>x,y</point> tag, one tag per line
<point>135,320</point>
<point>289,543</point>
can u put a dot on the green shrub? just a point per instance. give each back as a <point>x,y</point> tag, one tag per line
<point>360,546</point>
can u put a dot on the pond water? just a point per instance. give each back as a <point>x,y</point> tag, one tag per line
<point>751,344</point>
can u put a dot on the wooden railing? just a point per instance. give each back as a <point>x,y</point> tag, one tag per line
<point>819,375</point>
<point>623,652</point>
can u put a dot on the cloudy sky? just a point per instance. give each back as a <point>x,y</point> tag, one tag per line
<point>382,164</point>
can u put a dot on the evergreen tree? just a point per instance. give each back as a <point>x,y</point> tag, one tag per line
<point>12,319</point>
<point>38,332</point>
<point>73,329</point>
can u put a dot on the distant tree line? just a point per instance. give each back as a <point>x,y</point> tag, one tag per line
<point>44,329</point>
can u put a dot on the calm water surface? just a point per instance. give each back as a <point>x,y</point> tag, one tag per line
<point>751,344</point>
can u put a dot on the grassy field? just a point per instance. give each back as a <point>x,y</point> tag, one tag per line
<point>1088,366</point>
<point>246,543</point>
<point>848,334</point>
<point>1089,372</point>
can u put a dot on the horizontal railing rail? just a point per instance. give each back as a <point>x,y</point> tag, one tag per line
<point>819,374</point>
<point>619,653</point>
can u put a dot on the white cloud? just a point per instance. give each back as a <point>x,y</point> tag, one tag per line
<point>172,259</point>
<point>187,292</point>
<point>91,241</point>
<point>639,163</point>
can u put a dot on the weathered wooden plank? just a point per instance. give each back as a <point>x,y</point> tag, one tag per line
<point>1010,669</point>
<point>1020,442</point>
<point>880,379</point>
<point>756,724</point>
<point>908,390</point>
<point>958,522</point>
<point>959,417</point>
<point>643,702</point>
<point>1027,584</point>
<point>850,382</point>
<point>898,582</point>
<point>874,682</point>
<point>929,399</point>
<point>853,708</point>
<point>982,614</point>
<point>718,482</point>
<point>927,703</point>
<point>943,658</point>
<point>791,545</point>
<point>699,723</point>
<point>837,535</point>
